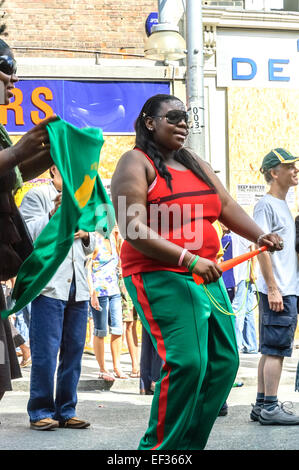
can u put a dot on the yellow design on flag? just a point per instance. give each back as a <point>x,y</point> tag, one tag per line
<point>83,193</point>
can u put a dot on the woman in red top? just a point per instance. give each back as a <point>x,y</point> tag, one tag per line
<point>166,200</point>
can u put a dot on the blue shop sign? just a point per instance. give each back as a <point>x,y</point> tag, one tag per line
<point>275,69</point>
<point>151,20</point>
<point>112,106</point>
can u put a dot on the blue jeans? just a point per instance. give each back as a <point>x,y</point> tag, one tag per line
<point>22,322</point>
<point>109,315</point>
<point>245,323</point>
<point>56,325</point>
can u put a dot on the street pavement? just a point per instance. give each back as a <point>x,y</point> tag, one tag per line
<point>119,416</point>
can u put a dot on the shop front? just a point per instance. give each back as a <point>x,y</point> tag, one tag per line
<point>257,70</point>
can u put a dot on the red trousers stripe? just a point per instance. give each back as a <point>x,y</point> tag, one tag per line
<point>156,332</point>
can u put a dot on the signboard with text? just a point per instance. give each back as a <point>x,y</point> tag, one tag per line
<point>112,106</point>
<point>257,58</point>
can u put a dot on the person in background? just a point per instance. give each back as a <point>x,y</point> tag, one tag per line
<point>25,160</point>
<point>22,322</point>
<point>297,252</point>
<point>60,313</point>
<point>130,330</point>
<point>228,276</point>
<point>150,365</point>
<point>106,307</point>
<point>224,254</point>
<point>88,348</point>
<point>20,328</point>
<point>20,344</point>
<point>129,315</point>
<point>245,299</point>
<point>277,284</point>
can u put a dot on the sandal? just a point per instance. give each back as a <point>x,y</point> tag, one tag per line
<point>26,363</point>
<point>135,375</point>
<point>119,374</point>
<point>106,376</point>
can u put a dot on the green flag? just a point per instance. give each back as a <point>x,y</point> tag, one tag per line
<point>85,206</point>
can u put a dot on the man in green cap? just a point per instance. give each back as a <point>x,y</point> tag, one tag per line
<point>277,285</point>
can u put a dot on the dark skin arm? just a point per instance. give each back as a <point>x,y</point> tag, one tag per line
<point>131,179</point>
<point>31,153</point>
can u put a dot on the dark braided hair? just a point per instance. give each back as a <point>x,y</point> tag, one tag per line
<point>144,141</point>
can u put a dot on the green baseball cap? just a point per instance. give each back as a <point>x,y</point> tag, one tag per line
<point>275,157</point>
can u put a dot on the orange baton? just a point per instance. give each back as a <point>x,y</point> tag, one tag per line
<point>230,263</point>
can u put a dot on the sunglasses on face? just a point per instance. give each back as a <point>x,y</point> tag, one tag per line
<point>175,116</point>
<point>8,65</point>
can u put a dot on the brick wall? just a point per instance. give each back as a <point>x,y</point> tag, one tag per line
<point>116,26</point>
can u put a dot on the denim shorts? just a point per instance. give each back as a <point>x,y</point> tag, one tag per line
<point>278,328</point>
<point>110,315</point>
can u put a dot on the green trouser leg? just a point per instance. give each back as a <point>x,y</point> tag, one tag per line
<point>198,346</point>
<point>222,367</point>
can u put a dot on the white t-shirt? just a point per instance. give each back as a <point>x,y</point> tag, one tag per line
<point>273,215</point>
<point>240,246</point>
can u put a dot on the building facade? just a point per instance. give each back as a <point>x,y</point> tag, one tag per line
<point>251,73</point>
<point>84,60</point>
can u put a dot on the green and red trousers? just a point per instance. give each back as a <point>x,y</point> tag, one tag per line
<point>198,346</point>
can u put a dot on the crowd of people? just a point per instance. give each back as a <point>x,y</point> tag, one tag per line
<point>192,333</point>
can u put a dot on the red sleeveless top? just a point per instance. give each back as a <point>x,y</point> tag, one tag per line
<point>183,216</point>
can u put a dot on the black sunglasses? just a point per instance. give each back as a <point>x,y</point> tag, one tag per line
<point>8,65</point>
<point>175,116</point>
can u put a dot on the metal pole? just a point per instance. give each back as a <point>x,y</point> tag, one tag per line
<point>195,75</point>
<point>164,11</point>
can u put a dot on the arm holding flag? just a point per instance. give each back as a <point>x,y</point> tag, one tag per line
<point>31,153</point>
